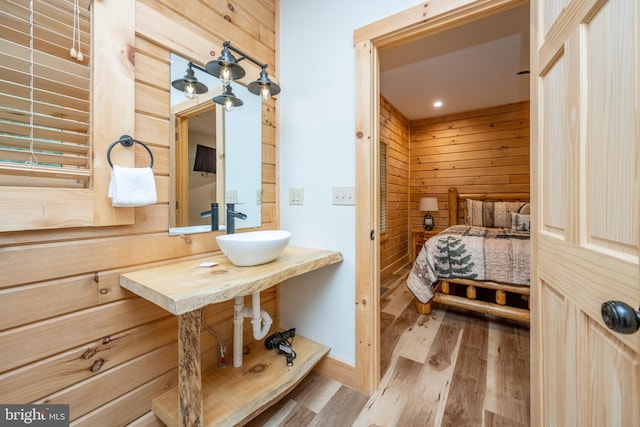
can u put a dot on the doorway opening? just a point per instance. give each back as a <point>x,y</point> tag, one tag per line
<point>370,42</point>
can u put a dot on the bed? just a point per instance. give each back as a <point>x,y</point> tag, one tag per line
<point>481,261</point>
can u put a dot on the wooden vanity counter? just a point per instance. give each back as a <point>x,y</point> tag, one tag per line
<point>230,395</point>
<point>183,287</point>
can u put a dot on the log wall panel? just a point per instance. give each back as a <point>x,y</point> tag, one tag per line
<point>65,369</point>
<point>41,339</point>
<point>100,389</point>
<point>137,404</point>
<point>394,132</point>
<point>482,151</point>
<point>57,313</point>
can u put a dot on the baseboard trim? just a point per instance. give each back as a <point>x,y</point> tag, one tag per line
<point>337,370</point>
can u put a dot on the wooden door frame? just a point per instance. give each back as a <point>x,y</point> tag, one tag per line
<point>179,129</point>
<point>414,23</point>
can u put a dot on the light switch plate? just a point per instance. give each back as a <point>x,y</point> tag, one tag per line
<point>296,196</point>
<point>231,196</point>
<point>344,196</point>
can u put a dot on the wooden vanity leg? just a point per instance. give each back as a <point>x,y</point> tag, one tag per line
<point>190,413</point>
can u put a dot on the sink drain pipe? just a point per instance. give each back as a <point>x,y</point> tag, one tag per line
<point>260,320</point>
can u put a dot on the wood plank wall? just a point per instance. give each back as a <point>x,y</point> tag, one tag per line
<point>394,132</point>
<point>68,332</point>
<point>482,151</point>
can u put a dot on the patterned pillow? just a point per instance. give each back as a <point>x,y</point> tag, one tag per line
<point>520,222</point>
<point>482,213</point>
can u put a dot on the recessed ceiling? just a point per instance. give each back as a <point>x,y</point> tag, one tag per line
<point>467,68</point>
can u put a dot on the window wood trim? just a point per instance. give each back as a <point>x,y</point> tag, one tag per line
<point>112,100</point>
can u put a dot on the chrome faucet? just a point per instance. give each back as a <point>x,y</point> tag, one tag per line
<point>231,218</point>
<point>213,213</point>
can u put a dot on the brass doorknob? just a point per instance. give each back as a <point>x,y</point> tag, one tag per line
<point>620,317</point>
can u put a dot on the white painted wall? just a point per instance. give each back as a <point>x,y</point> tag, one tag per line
<point>317,152</point>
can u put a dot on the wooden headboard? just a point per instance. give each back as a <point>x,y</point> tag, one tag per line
<point>457,202</point>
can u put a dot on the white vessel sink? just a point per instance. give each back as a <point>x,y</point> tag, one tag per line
<point>253,248</point>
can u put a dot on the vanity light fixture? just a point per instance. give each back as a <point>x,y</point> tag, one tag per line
<point>227,99</point>
<point>227,69</point>
<point>189,84</point>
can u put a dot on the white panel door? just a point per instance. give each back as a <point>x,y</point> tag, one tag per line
<point>586,188</point>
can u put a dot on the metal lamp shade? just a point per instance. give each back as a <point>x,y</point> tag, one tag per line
<point>228,96</point>
<point>256,86</point>
<point>190,78</point>
<point>225,60</point>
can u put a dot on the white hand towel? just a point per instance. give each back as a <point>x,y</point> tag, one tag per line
<point>132,187</point>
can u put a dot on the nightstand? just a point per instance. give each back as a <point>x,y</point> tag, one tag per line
<point>418,237</point>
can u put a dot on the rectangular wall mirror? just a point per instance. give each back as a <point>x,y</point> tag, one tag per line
<point>216,156</point>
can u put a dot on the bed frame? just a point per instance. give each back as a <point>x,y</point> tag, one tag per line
<point>499,293</point>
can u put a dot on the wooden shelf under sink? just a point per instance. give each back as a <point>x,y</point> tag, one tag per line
<point>233,396</point>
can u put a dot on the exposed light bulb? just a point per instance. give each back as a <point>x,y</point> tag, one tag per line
<point>228,104</point>
<point>226,76</point>
<point>437,104</point>
<point>265,92</point>
<point>190,90</point>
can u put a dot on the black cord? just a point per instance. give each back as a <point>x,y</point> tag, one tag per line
<point>286,347</point>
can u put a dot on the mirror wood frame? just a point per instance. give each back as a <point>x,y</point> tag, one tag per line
<point>180,115</point>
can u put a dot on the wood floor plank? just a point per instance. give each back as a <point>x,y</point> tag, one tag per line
<point>440,354</point>
<point>465,402</point>
<point>275,415</point>
<point>495,420</point>
<point>416,342</point>
<point>299,417</point>
<point>392,284</point>
<point>386,405</point>
<point>391,335</point>
<point>316,391</point>
<point>342,409</point>
<point>513,373</point>
<point>398,301</point>
<point>428,398</point>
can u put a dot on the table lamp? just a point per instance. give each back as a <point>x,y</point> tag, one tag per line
<point>428,204</point>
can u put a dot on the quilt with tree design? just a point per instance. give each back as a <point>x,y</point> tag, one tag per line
<point>468,252</point>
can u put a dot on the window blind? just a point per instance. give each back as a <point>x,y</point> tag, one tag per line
<point>383,187</point>
<point>44,94</point>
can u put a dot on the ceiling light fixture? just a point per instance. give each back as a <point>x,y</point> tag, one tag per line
<point>227,69</point>
<point>437,104</point>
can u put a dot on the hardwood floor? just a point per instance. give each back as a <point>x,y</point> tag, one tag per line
<point>451,368</point>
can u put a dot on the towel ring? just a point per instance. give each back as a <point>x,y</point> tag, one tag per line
<point>127,141</point>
